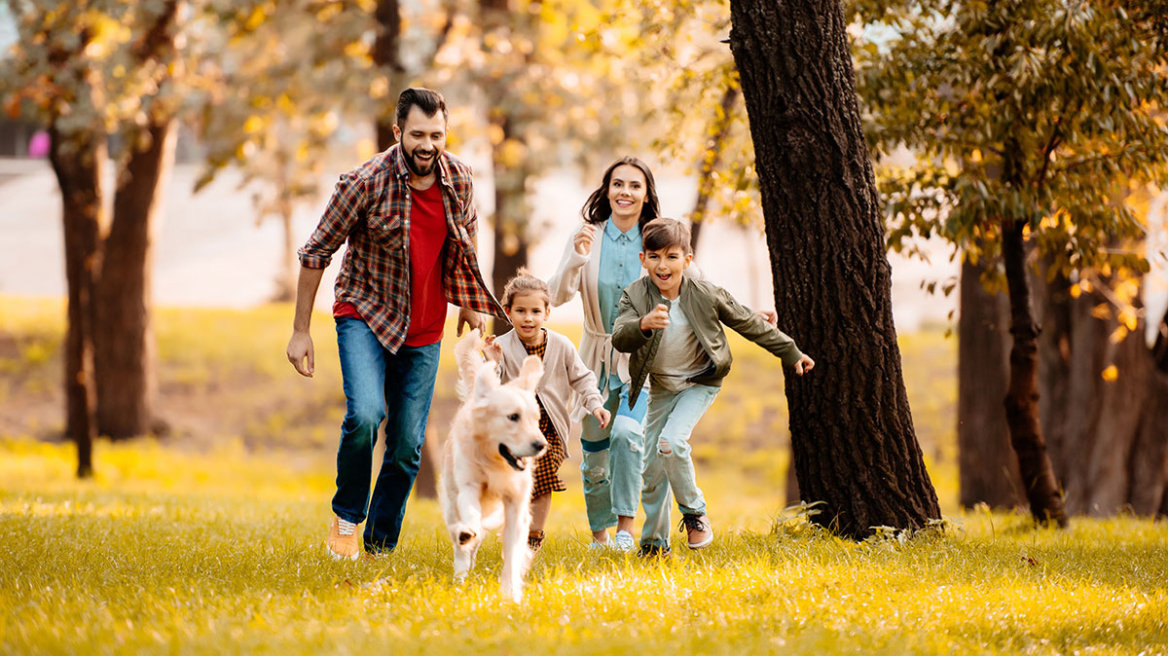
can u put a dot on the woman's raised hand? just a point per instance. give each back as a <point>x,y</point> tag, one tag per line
<point>583,240</point>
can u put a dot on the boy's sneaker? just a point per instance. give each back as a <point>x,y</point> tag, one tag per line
<point>698,530</point>
<point>654,551</point>
<point>623,541</point>
<point>343,541</point>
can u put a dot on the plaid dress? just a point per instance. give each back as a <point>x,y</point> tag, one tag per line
<point>547,479</point>
<point>370,209</point>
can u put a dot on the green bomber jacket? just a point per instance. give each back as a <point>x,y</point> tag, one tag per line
<point>708,307</point>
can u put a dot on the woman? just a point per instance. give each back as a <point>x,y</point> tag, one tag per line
<point>600,260</point>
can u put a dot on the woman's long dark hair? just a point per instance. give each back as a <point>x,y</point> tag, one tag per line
<point>598,209</point>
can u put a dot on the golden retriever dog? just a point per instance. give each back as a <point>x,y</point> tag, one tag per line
<point>487,462</point>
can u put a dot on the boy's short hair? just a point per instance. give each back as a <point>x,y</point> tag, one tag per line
<point>662,234</point>
<point>525,283</point>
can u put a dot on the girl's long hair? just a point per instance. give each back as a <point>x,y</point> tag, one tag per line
<point>598,208</point>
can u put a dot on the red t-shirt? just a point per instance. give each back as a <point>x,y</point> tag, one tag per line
<point>427,237</point>
<point>427,300</point>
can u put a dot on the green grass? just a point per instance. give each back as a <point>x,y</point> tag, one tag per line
<point>221,553</point>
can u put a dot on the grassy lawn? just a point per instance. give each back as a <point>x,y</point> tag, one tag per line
<point>221,553</point>
<point>210,539</point>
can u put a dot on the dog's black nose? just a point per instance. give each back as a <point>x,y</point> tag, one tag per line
<point>539,445</point>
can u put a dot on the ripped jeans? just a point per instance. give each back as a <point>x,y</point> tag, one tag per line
<point>668,466</point>
<point>611,466</point>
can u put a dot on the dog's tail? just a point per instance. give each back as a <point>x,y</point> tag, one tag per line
<point>468,354</point>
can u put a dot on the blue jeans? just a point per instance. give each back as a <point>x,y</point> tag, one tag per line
<point>668,465</point>
<point>611,466</point>
<point>381,385</point>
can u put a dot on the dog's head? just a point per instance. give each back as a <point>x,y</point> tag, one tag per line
<point>507,416</point>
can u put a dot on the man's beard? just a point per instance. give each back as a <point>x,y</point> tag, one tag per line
<point>412,165</point>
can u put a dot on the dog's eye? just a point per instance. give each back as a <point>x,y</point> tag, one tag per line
<point>514,416</point>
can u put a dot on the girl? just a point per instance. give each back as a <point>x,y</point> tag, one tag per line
<point>526,301</point>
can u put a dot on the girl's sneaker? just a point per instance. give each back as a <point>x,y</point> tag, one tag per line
<point>535,541</point>
<point>623,541</point>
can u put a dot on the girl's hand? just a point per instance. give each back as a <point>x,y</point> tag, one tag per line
<point>804,365</point>
<point>583,240</point>
<point>769,316</point>
<point>494,351</point>
<point>657,319</point>
<point>602,416</point>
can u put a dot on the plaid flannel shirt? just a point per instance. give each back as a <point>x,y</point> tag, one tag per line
<point>371,209</point>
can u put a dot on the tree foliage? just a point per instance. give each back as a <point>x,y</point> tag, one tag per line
<point>1038,111</point>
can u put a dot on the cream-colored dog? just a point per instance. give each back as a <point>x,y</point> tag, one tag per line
<point>487,462</point>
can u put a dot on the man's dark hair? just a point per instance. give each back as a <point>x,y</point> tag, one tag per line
<point>663,234</point>
<point>598,208</point>
<point>427,100</point>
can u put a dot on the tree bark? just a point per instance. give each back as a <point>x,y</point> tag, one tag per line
<point>126,351</point>
<point>1046,502</point>
<point>387,56</point>
<point>987,466</point>
<point>511,209</point>
<point>711,155</point>
<point>78,161</point>
<point>852,435</point>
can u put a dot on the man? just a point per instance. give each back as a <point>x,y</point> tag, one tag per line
<point>410,223</point>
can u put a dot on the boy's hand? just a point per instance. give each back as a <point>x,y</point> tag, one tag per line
<point>494,350</point>
<point>602,416</point>
<point>804,365</point>
<point>657,319</point>
<point>583,239</point>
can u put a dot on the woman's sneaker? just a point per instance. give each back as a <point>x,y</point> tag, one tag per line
<point>623,541</point>
<point>698,530</point>
<point>343,541</point>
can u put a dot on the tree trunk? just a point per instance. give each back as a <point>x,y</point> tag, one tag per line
<point>126,352</point>
<point>387,56</point>
<point>987,466</point>
<point>718,130</point>
<point>851,430</point>
<point>1046,502</point>
<point>511,209</point>
<point>78,161</point>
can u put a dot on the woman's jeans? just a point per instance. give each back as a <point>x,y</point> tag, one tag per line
<point>381,385</point>
<point>611,466</point>
<point>672,418</point>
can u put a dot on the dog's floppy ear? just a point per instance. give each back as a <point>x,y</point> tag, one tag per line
<point>530,373</point>
<point>486,381</point>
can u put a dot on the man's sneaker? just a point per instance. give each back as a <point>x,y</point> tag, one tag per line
<point>343,541</point>
<point>698,530</point>
<point>653,551</point>
<point>623,541</point>
<point>535,542</point>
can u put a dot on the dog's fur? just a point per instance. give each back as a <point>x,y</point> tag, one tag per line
<point>488,460</point>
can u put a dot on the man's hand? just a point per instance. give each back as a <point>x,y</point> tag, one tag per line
<point>657,319</point>
<point>769,316</point>
<point>583,239</point>
<point>804,365</point>
<point>602,416</point>
<point>299,348</point>
<point>468,318</point>
<point>494,350</point>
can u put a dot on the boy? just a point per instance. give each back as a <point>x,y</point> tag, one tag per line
<point>672,326</point>
<point>527,301</point>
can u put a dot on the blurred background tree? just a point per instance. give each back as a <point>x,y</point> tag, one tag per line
<point>1031,123</point>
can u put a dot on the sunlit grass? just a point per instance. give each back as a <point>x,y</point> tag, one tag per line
<point>222,554</point>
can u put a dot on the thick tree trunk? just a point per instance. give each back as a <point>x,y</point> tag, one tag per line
<point>387,56</point>
<point>126,353</point>
<point>511,209</point>
<point>718,130</point>
<point>78,161</point>
<point>987,466</point>
<point>1046,502</point>
<point>851,430</point>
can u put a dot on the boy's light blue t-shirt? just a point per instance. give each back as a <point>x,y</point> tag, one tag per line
<point>620,266</point>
